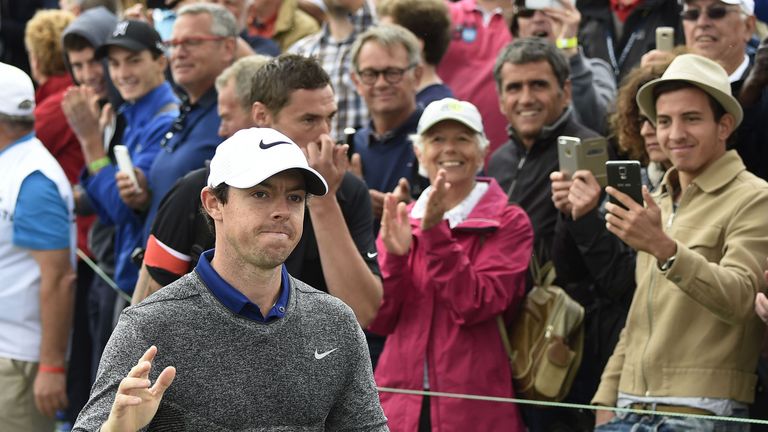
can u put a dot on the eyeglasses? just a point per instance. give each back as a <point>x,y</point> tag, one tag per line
<point>191,42</point>
<point>714,13</point>
<point>392,75</point>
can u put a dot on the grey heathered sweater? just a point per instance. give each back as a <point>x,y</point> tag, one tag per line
<point>237,374</point>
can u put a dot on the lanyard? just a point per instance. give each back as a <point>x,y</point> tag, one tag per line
<point>624,53</point>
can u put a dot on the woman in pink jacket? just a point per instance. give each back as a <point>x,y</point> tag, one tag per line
<point>452,262</point>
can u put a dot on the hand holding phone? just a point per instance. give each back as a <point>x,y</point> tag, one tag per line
<point>625,177</point>
<point>589,154</point>
<point>125,165</point>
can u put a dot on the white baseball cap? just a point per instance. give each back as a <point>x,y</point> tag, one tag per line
<point>17,93</point>
<point>253,155</point>
<point>748,6</point>
<point>450,109</point>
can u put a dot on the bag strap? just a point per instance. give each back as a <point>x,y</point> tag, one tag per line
<point>505,338</point>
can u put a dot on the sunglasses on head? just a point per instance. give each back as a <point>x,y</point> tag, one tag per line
<point>714,12</point>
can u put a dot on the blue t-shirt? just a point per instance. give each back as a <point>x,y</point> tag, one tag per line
<point>41,220</point>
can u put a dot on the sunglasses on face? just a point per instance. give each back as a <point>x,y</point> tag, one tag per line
<point>714,13</point>
<point>522,12</point>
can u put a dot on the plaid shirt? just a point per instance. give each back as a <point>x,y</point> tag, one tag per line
<point>336,58</point>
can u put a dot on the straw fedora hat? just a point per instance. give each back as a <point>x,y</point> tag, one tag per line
<point>700,72</point>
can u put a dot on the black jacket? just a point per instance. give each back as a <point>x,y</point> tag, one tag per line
<point>529,171</point>
<point>638,37</point>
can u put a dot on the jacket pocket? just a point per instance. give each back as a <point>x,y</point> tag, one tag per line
<point>705,241</point>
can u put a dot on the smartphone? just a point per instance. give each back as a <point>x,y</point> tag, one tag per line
<point>589,154</point>
<point>625,176</point>
<point>124,163</point>
<point>541,4</point>
<point>665,38</point>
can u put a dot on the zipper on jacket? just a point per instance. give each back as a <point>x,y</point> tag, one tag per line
<point>670,220</point>
<point>517,174</point>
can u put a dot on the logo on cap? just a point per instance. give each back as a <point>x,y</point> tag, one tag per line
<point>26,104</point>
<point>121,28</point>
<point>266,146</point>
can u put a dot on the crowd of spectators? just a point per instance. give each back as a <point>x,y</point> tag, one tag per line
<point>435,125</point>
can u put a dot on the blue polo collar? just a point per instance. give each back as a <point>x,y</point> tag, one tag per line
<point>236,301</point>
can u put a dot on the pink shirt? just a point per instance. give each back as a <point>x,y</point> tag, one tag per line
<point>467,67</point>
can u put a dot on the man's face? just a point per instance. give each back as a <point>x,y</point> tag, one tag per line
<point>88,71</point>
<point>199,56</point>
<point>687,131</point>
<point>387,96</point>
<point>233,116</point>
<point>531,98</point>
<point>720,39</point>
<point>307,115</point>
<point>261,226</point>
<point>538,25</point>
<point>135,73</point>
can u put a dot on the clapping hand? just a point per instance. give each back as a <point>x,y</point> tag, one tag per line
<point>395,227</point>
<point>436,206</point>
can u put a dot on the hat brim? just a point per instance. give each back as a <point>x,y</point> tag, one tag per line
<point>315,184</point>
<point>129,44</point>
<point>458,119</point>
<point>647,104</point>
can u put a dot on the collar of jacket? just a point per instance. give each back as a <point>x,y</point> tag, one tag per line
<point>547,132</point>
<point>487,214</point>
<point>718,174</point>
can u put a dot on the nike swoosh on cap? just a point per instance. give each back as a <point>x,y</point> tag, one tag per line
<point>372,254</point>
<point>266,146</point>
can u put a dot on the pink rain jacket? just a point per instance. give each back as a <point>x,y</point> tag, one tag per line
<point>440,306</point>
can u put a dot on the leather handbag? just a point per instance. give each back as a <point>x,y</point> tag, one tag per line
<point>545,341</point>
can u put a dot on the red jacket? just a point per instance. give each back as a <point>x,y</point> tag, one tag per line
<point>440,306</point>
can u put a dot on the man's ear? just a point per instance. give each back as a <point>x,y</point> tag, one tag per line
<point>210,203</point>
<point>260,115</point>
<point>725,126</point>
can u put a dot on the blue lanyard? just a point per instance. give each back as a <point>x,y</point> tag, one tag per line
<point>624,53</point>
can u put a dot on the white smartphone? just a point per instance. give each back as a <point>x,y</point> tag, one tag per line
<point>124,163</point>
<point>665,38</point>
<point>541,4</point>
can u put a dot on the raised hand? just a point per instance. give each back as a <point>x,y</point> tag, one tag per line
<point>584,194</point>
<point>395,227</point>
<point>561,187</point>
<point>436,205</point>
<point>638,226</point>
<point>81,107</point>
<point>330,160</point>
<point>135,196</point>
<point>137,401</point>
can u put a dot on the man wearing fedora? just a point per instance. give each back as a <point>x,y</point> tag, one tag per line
<point>691,340</point>
<point>270,352</point>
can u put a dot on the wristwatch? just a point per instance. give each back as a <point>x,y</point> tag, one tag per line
<point>668,263</point>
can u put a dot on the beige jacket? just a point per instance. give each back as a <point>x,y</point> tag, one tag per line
<point>692,330</point>
<point>292,24</point>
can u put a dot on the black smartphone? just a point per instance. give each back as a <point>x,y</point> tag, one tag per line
<point>625,177</point>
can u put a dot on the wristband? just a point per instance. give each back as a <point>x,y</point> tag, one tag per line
<point>565,43</point>
<point>51,369</point>
<point>98,164</point>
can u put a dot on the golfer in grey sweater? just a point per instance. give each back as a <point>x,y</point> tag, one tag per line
<point>239,344</point>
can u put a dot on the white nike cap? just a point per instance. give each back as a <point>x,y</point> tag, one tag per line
<point>747,6</point>
<point>17,93</point>
<point>253,155</point>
